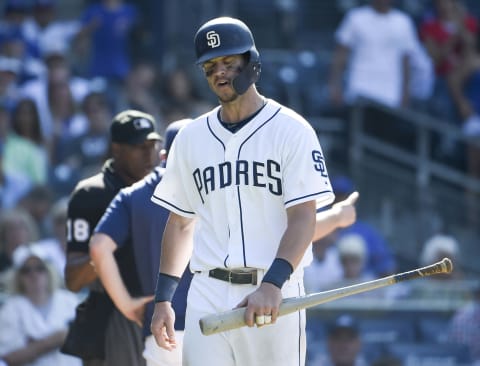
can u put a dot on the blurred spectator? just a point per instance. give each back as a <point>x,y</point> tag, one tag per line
<point>58,71</point>
<point>4,124</point>
<point>344,344</point>
<point>352,251</point>
<point>78,157</point>
<point>38,202</point>
<point>67,122</point>
<point>287,14</point>
<point>142,91</point>
<point>13,42</point>
<point>9,71</point>
<point>464,326</point>
<point>325,268</point>
<point>34,319</point>
<point>445,35</point>
<point>13,187</point>
<point>43,28</point>
<point>109,25</point>
<point>17,227</point>
<point>381,261</point>
<point>465,86</point>
<point>422,78</point>
<point>376,41</point>
<point>353,254</point>
<point>445,286</point>
<point>15,12</point>
<point>13,45</point>
<point>54,246</point>
<point>440,246</point>
<point>25,150</point>
<point>180,98</point>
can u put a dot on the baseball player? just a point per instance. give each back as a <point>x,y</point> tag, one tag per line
<point>133,220</point>
<point>134,145</point>
<point>249,174</point>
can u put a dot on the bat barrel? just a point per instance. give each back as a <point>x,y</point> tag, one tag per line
<point>444,266</point>
<point>232,319</point>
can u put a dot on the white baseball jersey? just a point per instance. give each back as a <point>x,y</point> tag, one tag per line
<point>239,185</point>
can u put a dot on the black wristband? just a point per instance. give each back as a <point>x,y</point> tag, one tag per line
<point>279,272</point>
<point>165,288</point>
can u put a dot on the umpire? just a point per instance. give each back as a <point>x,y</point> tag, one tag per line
<point>134,154</point>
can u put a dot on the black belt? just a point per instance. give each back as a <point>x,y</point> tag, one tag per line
<point>236,277</point>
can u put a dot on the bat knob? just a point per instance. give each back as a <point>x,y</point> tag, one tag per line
<point>447,265</point>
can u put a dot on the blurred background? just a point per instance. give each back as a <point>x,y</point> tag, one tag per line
<point>392,88</point>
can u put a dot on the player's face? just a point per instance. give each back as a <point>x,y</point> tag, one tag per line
<point>220,72</point>
<point>135,161</point>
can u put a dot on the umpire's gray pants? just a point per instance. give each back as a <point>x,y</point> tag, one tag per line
<point>124,343</point>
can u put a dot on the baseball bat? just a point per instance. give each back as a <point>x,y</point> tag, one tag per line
<point>232,319</point>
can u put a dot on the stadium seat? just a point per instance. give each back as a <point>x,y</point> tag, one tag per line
<point>432,329</point>
<point>429,354</point>
<point>387,330</point>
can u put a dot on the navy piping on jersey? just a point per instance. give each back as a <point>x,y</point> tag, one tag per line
<point>223,145</point>
<point>238,188</point>
<point>308,195</point>
<point>213,133</point>
<point>172,205</point>
<point>300,333</point>
<point>241,225</point>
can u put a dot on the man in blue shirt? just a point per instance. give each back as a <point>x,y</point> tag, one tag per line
<point>132,219</point>
<point>381,260</point>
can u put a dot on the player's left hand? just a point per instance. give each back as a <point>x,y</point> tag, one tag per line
<point>162,325</point>
<point>262,305</point>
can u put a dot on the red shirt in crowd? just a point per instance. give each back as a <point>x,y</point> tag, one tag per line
<point>441,32</point>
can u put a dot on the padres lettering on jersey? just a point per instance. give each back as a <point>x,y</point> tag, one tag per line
<point>241,172</point>
<point>243,182</point>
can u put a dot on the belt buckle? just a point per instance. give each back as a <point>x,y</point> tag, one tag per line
<point>230,276</point>
<point>254,277</point>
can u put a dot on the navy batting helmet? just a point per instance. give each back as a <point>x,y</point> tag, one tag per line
<point>226,36</point>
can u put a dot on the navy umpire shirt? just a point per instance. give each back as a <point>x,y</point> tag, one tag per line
<point>133,219</point>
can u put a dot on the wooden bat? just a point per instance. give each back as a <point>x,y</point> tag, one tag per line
<point>233,319</point>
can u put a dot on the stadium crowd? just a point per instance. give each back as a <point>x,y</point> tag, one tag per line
<point>63,80</point>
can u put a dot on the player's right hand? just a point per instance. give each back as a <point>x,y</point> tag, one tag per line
<point>264,301</point>
<point>162,326</point>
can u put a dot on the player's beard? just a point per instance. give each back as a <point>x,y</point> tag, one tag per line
<point>228,99</point>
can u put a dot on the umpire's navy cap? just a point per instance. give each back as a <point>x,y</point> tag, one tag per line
<point>133,127</point>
